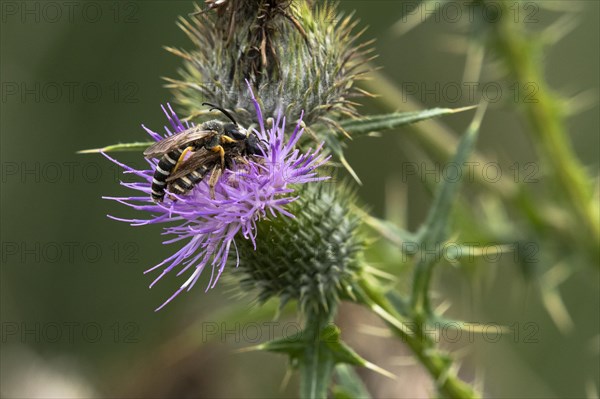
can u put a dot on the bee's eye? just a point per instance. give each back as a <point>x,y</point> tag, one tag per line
<point>234,132</point>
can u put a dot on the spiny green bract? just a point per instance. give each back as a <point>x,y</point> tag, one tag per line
<point>294,53</point>
<point>313,258</point>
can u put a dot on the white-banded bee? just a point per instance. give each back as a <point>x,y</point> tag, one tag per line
<point>188,156</point>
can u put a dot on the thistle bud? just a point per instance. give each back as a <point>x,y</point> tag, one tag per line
<point>314,258</point>
<point>296,54</point>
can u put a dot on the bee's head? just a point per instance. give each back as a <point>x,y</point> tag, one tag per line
<point>253,145</point>
<point>234,131</point>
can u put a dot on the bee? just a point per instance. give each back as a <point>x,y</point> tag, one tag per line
<point>187,157</point>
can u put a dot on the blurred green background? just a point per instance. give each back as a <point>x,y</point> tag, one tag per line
<point>77,316</point>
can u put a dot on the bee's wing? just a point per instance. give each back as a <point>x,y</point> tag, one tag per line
<point>193,162</point>
<point>177,141</point>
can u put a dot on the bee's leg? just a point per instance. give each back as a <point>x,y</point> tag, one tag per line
<point>241,160</point>
<point>218,148</point>
<point>215,174</point>
<point>170,196</point>
<point>181,158</point>
<point>226,139</point>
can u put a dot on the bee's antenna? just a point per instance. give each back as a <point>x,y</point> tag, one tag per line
<point>227,114</point>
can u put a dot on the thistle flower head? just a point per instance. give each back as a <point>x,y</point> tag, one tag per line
<point>208,222</point>
<point>297,54</point>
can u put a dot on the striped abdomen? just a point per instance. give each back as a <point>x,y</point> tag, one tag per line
<point>163,170</point>
<point>187,182</point>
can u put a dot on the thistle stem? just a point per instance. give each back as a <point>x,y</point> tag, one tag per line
<point>438,364</point>
<point>547,120</point>
<point>316,366</point>
<point>420,298</point>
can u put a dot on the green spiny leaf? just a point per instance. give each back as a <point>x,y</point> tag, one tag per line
<point>139,146</point>
<point>388,230</point>
<point>349,384</point>
<point>376,123</point>
<point>317,351</point>
<point>435,228</point>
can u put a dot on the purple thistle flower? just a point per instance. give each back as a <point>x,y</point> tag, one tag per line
<point>243,195</point>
